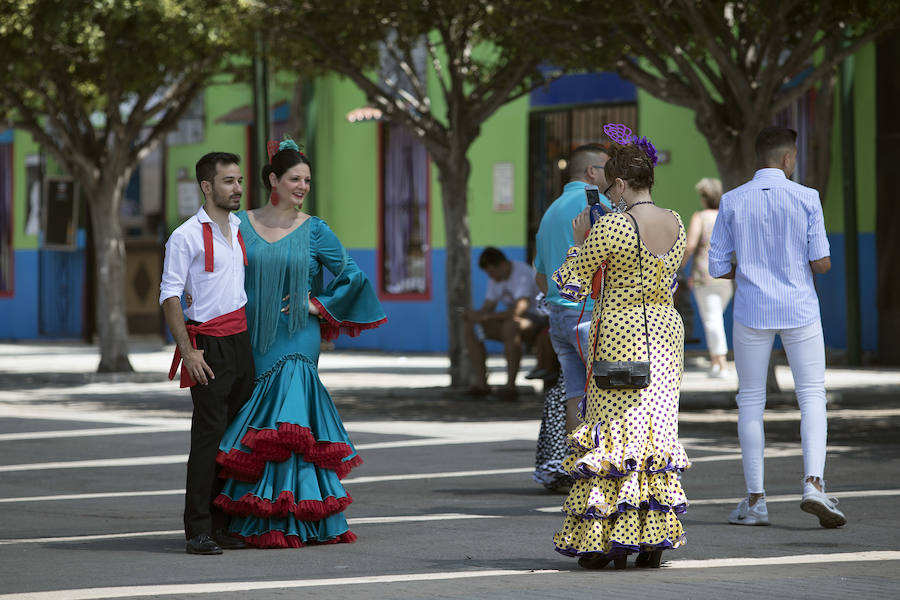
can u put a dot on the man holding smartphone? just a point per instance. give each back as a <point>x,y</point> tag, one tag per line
<point>554,238</point>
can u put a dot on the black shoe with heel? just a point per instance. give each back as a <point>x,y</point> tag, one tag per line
<point>621,562</point>
<point>593,560</point>
<point>650,559</point>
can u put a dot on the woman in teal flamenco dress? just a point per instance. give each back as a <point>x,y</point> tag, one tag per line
<point>626,457</point>
<point>286,451</point>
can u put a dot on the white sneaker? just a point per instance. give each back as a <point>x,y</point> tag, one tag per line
<point>717,372</point>
<point>745,514</point>
<point>817,503</point>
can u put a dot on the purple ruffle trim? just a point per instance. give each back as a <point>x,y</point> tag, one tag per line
<point>652,504</point>
<point>583,472</point>
<point>570,292</point>
<point>618,549</point>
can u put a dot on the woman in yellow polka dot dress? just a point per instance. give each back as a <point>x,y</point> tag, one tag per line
<point>626,455</point>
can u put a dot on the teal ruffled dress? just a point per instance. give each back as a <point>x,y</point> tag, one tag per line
<point>286,451</point>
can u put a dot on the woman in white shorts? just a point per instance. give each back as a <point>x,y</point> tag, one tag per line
<point>712,295</point>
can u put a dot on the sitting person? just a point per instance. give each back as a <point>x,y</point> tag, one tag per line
<point>511,284</point>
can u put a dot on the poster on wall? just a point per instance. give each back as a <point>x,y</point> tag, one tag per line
<point>503,187</point>
<point>60,213</point>
<point>188,198</point>
<point>34,175</point>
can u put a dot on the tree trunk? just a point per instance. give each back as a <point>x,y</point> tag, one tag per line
<point>109,251</point>
<point>887,211</point>
<point>819,162</point>
<point>453,174</point>
<point>734,154</point>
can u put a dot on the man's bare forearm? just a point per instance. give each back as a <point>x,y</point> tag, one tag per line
<point>175,320</point>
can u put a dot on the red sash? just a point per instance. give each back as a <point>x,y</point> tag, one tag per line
<point>208,246</point>
<point>223,325</point>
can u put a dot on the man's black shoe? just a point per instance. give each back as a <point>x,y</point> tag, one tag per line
<point>202,544</point>
<point>228,542</point>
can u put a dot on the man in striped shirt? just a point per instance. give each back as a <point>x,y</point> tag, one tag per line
<point>770,237</point>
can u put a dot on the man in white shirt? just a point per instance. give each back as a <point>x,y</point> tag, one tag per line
<point>775,230</point>
<point>205,258</point>
<point>511,284</point>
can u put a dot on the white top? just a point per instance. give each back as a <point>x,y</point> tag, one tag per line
<point>214,293</point>
<point>519,284</point>
<point>774,227</point>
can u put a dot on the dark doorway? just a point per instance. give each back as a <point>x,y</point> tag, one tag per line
<point>552,135</point>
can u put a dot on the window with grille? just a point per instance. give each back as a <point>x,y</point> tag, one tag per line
<point>552,135</point>
<point>404,261</point>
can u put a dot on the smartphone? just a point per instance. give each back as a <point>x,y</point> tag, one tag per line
<point>592,192</point>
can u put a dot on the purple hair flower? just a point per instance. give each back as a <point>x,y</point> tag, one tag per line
<point>647,146</point>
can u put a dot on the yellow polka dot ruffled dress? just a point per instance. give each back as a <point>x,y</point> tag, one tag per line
<point>626,457</point>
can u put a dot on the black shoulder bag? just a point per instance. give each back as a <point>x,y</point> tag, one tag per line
<point>624,374</point>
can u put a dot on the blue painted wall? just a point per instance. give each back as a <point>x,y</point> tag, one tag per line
<point>20,311</point>
<point>584,88</point>
<point>418,326</point>
<point>833,296</point>
<point>54,310</point>
<point>832,292</point>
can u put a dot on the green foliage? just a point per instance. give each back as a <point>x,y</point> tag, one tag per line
<point>738,53</point>
<point>480,53</point>
<point>73,59</point>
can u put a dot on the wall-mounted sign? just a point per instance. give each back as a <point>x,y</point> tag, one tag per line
<point>189,199</point>
<point>503,187</point>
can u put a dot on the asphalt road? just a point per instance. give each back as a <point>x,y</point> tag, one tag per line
<point>92,472</point>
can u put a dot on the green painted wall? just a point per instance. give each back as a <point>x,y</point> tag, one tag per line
<point>865,123</point>
<point>346,186</point>
<point>345,165</point>
<point>671,128</point>
<point>504,138</point>
<point>23,145</point>
<point>219,99</point>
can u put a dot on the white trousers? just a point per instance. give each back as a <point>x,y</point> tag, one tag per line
<point>805,349</point>
<point>711,303</point>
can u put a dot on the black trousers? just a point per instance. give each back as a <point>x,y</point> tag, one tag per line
<point>215,405</point>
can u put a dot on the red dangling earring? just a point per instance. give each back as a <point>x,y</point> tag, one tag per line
<point>273,198</point>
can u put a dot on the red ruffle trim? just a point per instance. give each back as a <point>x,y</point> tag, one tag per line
<point>331,328</point>
<point>305,510</point>
<point>277,539</point>
<point>276,445</point>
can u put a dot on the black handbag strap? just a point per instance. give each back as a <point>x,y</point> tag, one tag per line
<point>637,233</point>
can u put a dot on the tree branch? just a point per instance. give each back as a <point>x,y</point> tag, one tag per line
<point>658,86</point>
<point>827,64</point>
<point>732,76</point>
<point>167,122</point>
<point>685,67</point>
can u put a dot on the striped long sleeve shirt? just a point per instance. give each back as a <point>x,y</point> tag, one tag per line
<point>774,227</point>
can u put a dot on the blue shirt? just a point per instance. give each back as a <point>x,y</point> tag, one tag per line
<point>554,238</point>
<point>774,227</point>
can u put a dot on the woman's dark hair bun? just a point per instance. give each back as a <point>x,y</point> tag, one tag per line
<point>281,162</point>
<point>629,163</point>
